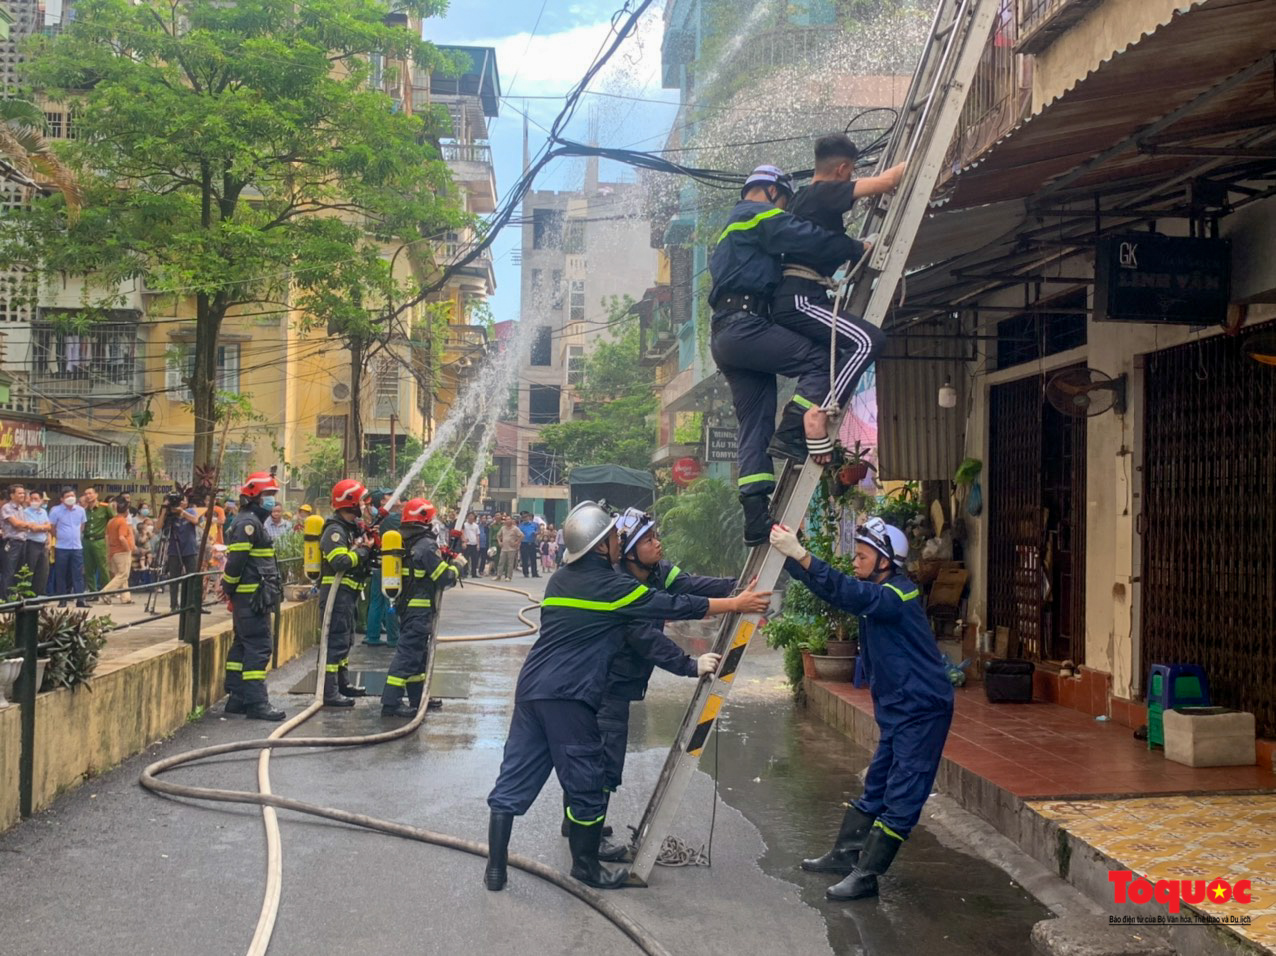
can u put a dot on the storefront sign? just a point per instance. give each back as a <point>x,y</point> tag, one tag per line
<point>20,441</point>
<point>1140,277</point>
<point>685,471</point>
<point>720,444</point>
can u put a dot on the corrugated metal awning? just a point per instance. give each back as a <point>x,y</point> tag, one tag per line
<point>918,440</point>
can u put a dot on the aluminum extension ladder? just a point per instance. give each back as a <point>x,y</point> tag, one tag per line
<point>921,137</point>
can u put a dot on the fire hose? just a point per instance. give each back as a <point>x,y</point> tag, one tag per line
<point>271,802</point>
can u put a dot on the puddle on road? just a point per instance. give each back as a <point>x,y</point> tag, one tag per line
<point>788,773</point>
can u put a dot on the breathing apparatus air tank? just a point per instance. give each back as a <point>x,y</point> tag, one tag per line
<point>311,556</point>
<point>391,563</point>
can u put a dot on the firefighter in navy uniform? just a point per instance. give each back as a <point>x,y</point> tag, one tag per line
<point>646,646</point>
<point>749,348</point>
<point>347,549</point>
<point>801,303</point>
<point>912,699</point>
<point>555,727</point>
<point>251,581</point>
<point>425,574</point>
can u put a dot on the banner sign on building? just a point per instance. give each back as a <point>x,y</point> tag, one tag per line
<point>720,444</point>
<point>20,441</point>
<point>1141,277</point>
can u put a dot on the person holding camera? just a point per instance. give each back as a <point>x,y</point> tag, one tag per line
<point>251,581</point>
<point>178,530</point>
<point>345,547</point>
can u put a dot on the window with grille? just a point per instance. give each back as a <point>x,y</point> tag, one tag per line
<point>574,237</point>
<point>577,312</point>
<point>330,426</point>
<point>504,477</point>
<point>542,346</point>
<point>556,289</point>
<point>180,369</point>
<point>542,467</point>
<point>387,387</point>
<point>547,229</point>
<point>575,364</point>
<point>542,404</point>
<point>538,287</point>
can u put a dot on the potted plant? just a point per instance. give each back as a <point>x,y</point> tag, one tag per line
<point>75,642</point>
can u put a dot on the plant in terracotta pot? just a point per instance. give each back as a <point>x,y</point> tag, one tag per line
<point>797,635</point>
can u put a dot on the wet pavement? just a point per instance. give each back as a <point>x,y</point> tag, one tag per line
<point>126,872</point>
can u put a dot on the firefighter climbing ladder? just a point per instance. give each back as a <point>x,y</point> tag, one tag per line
<point>921,137</point>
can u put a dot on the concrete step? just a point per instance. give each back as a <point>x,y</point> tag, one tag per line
<point>1079,936</point>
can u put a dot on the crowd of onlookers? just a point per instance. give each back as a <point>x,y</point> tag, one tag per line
<point>500,544</point>
<point>79,543</point>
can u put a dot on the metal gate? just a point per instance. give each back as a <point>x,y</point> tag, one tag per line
<point>1209,519</point>
<point>1035,489</point>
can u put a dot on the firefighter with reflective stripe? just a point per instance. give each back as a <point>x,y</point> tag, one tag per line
<point>344,548</point>
<point>912,699</point>
<point>749,348</point>
<point>586,607</point>
<point>425,575</point>
<point>251,581</point>
<point>801,302</point>
<point>646,645</point>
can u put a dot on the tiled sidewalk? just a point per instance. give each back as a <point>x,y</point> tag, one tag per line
<point>1084,797</point>
<point>1043,750</point>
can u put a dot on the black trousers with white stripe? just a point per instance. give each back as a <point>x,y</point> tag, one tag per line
<point>858,342</point>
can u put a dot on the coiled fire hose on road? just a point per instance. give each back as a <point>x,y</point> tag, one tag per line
<point>271,802</point>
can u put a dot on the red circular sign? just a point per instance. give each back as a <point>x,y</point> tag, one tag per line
<point>685,471</point>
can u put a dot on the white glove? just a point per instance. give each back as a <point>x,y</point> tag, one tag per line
<point>786,542</point>
<point>707,664</point>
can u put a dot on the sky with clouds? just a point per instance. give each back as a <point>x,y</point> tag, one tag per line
<point>538,63</point>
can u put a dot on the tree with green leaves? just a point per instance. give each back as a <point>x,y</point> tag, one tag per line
<point>25,148</point>
<point>619,403</point>
<point>237,154</point>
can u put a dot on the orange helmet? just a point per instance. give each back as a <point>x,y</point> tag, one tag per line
<point>348,493</point>
<point>418,511</point>
<point>259,483</point>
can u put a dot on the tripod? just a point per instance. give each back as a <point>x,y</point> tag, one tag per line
<point>160,566</point>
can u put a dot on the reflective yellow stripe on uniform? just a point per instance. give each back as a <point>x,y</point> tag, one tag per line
<point>332,668</point>
<point>234,666</point>
<point>247,588</point>
<point>673,573</point>
<point>262,552</point>
<point>416,679</point>
<point>348,582</point>
<point>240,546</point>
<point>419,602</point>
<point>254,675</point>
<point>396,681</point>
<point>227,579</point>
<point>442,569</point>
<point>338,552</point>
<point>418,572</point>
<point>629,598</point>
<point>902,596</point>
<point>749,223</point>
<point>750,479</point>
<point>803,402</point>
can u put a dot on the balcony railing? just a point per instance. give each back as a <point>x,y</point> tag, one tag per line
<point>1000,95</point>
<point>467,153</point>
<point>84,462</point>
<point>103,361</point>
<point>1040,21</point>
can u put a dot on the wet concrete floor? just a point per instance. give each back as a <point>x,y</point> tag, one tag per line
<point>123,871</point>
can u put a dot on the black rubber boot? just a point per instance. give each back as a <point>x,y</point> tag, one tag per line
<point>331,698</point>
<point>610,852</point>
<point>401,709</point>
<point>789,440</point>
<point>584,842</point>
<point>757,519</point>
<point>263,711</point>
<point>499,828</point>
<point>235,705</point>
<point>347,689</point>
<point>414,698</point>
<point>846,849</point>
<point>875,859</point>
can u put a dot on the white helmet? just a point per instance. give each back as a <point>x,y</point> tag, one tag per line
<point>886,539</point>
<point>586,525</point>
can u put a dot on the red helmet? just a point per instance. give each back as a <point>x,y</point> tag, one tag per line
<point>418,511</point>
<point>348,493</point>
<point>259,483</point>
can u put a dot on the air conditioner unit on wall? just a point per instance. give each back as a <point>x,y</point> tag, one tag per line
<point>341,392</point>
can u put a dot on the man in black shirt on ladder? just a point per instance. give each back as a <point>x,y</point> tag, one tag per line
<point>801,302</point>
